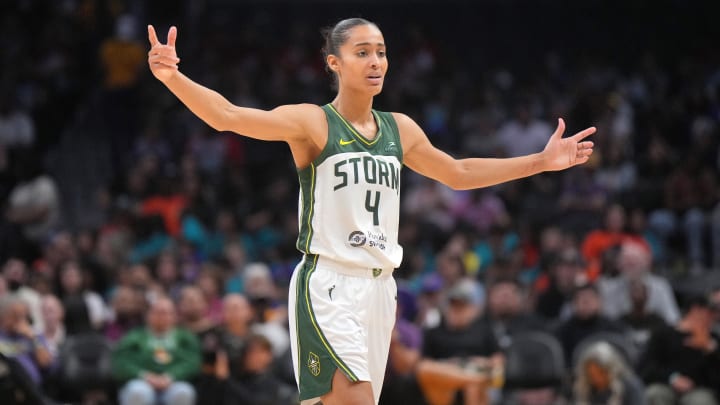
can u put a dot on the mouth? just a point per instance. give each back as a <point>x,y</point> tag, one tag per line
<point>374,79</point>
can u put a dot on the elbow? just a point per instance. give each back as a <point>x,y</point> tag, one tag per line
<point>455,184</point>
<point>221,121</point>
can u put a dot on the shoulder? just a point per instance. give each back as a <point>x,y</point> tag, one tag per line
<point>310,117</point>
<point>410,132</point>
<point>302,107</point>
<point>300,111</point>
<point>403,121</point>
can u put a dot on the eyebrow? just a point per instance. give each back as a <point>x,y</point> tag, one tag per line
<point>368,43</point>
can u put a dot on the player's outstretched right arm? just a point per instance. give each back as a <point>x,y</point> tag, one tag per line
<point>284,123</point>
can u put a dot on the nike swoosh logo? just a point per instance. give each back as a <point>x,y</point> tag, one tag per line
<point>344,142</point>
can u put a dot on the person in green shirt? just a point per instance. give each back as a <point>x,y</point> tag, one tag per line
<point>154,363</point>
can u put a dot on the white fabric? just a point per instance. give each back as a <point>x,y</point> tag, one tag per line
<point>39,192</point>
<point>343,226</point>
<point>615,293</point>
<point>357,318</point>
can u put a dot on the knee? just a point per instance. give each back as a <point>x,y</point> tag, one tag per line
<point>180,393</point>
<point>662,221</point>
<point>659,394</point>
<point>137,392</point>
<point>699,396</point>
<point>694,218</point>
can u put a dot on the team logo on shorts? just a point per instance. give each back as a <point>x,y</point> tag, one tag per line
<point>314,364</point>
<point>357,239</point>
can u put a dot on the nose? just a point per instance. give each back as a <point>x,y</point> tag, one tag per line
<point>374,61</point>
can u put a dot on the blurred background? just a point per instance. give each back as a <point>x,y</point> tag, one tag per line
<point>145,257</point>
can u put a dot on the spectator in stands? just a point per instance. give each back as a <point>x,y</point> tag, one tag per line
<point>270,315</point>
<point>256,383</point>
<point>53,323</point>
<point>72,284</point>
<point>192,310</point>
<point>565,273</point>
<point>689,197</point>
<point>127,309</point>
<point>19,341</point>
<point>602,377</point>
<point>167,274</point>
<point>639,319</point>
<point>586,320</point>
<point>508,312</point>
<point>210,283</point>
<point>17,128</point>
<point>524,133</point>
<point>33,204</point>
<point>463,335</point>
<point>681,363</point>
<point>227,339</point>
<point>155,363</point>
<point>635,263</point>
<point>15,273</point>
<point>412,378</point>
<point>613,233</point>
<point>582,200</point>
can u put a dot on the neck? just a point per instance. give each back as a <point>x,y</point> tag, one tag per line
<point>159,332</point>
<point>354,106</point>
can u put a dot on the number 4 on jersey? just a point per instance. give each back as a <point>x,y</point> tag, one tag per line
<point>373,207</point>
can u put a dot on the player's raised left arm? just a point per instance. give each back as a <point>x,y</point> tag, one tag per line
<point>462,174</point>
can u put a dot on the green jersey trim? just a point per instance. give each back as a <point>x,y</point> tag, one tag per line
<point>341,364</point>
<point>307,188</point>
<point>355,133</point>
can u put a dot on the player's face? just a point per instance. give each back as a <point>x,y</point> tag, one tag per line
<point>362,63</point>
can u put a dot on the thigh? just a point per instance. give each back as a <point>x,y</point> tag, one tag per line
<point>698,396</point>
<point>382,306</point>
<point>346,392</point>
<point>137,392</point>
<point>328,331</point>
<point>660,394</point>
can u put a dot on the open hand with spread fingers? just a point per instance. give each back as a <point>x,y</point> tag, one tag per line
<point>561,153</point>
<point>162,58</point>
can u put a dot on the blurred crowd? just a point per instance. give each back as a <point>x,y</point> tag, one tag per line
<point>145,258</point>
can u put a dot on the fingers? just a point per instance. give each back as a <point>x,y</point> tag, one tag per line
<point>164,57</point>
<point>172,36</point>
<point>584,134</point>
<point>560,129</point>
<point>152,36</point>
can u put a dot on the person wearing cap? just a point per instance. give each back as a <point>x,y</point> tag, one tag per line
<point>681,363</point>
<point>463,337</point>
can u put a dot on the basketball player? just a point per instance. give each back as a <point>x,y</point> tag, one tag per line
<point>348,157</point>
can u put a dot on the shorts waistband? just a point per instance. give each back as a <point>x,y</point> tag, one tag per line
<point>349,269</point>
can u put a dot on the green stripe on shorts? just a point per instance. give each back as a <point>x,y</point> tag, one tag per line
<point>317,359</point>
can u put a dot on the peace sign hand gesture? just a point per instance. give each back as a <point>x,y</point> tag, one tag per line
<point>163,59</point>
<point>561,153</point>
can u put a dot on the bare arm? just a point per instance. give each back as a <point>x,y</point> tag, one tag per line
<point>284,123</point>
<point>462,174</point>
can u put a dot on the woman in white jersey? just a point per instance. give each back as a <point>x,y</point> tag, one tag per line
<point>342,294</point>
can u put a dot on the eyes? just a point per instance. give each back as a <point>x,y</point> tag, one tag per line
<point>364,53</point>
